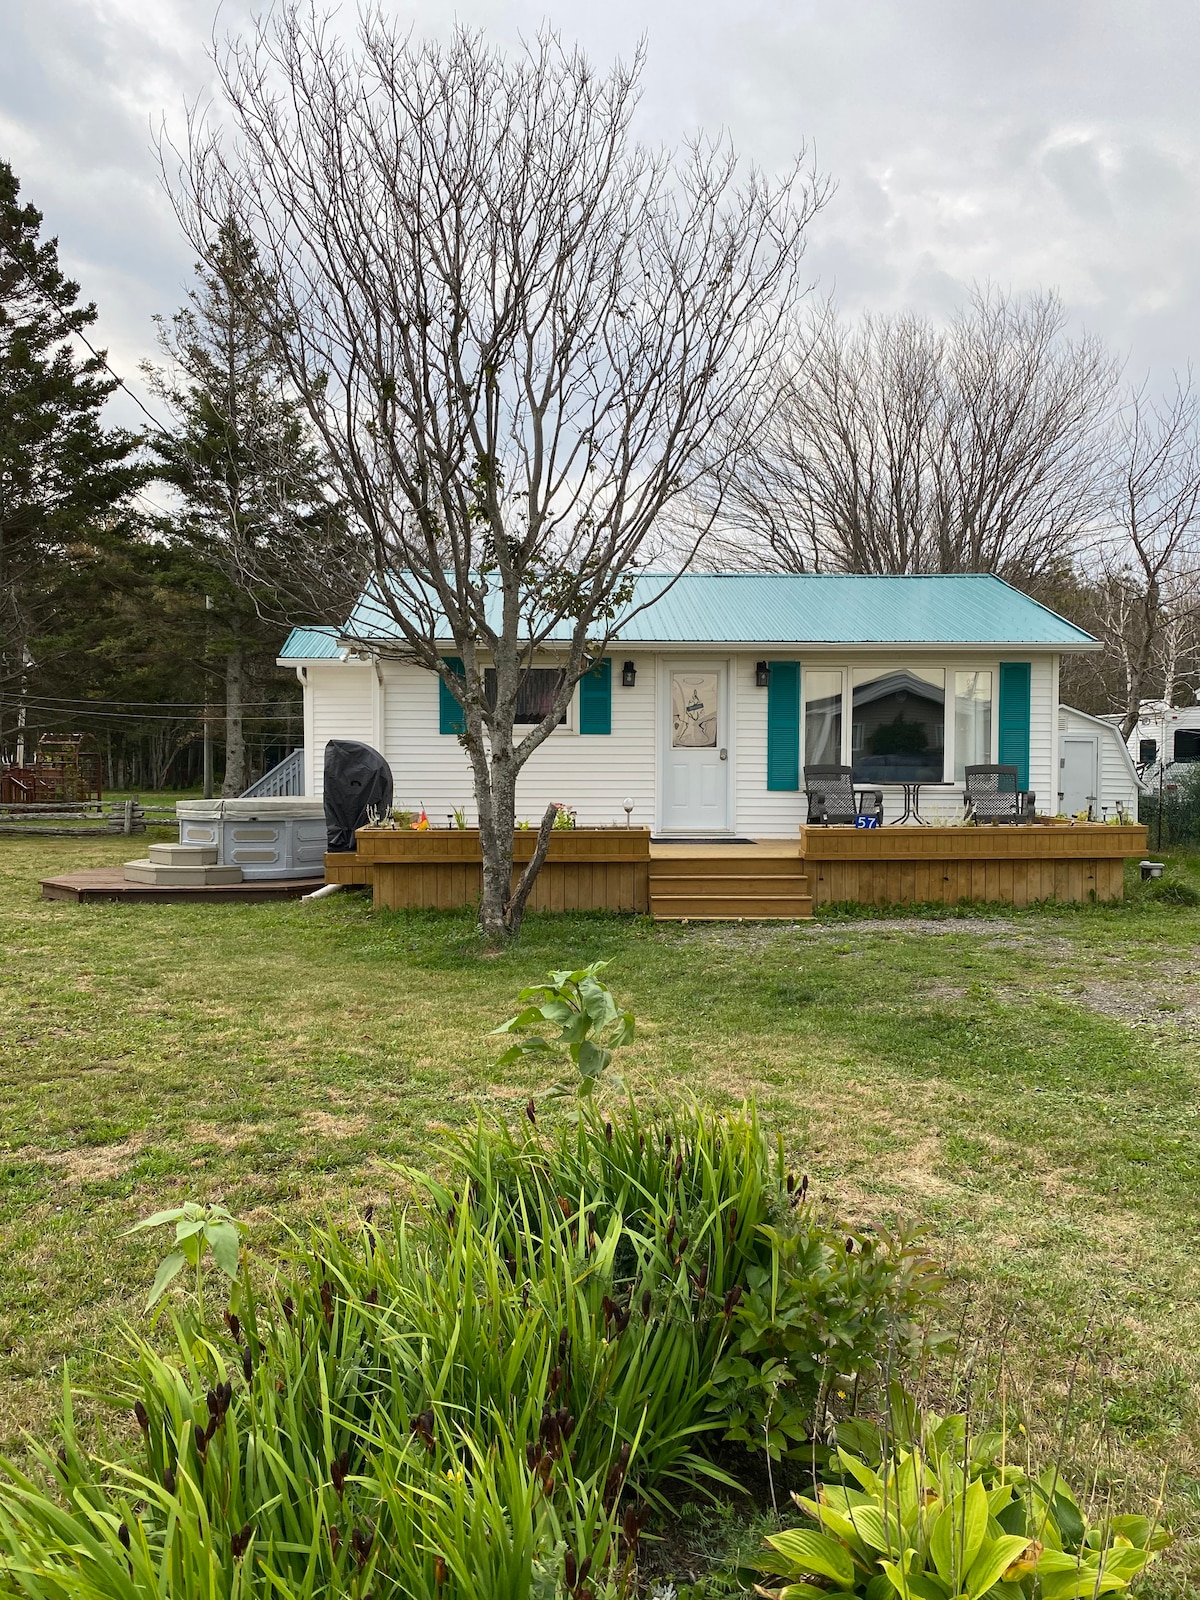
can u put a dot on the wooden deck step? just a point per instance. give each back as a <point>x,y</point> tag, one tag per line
<point>728,887</point>
<point>713,908</point>
<point>746,864</point>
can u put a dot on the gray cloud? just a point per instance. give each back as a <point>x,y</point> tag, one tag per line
<point>1031,143</point>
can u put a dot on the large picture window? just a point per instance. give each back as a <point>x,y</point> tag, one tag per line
<point>898,726</point>
<point>535,695</point>
<point>972,721</point>
<point>822,718</point>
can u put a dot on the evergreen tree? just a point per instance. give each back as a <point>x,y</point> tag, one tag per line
<point>65,481</point>
<point>249,480</point>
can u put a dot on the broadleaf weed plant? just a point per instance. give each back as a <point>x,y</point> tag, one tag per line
<point>202,1232</point>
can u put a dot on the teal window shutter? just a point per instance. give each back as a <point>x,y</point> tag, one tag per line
<point>1013,718</point>
<point>783,725</point>
<point>450,713</point>
<point>595,698</point>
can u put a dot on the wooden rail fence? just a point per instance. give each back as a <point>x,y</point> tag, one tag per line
<point>51,819</point>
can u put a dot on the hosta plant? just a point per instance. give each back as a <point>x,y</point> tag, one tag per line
<point>934,1513</point>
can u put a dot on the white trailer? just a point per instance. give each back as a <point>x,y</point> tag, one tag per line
<point>1169,734</point>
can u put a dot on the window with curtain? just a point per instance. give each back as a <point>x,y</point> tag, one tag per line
<point>822,692</point>
<point>898,726</point>
<point>972,721</point>
<point>535,695</point>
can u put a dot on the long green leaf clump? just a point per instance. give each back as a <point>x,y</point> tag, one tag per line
<point>483,1398</point>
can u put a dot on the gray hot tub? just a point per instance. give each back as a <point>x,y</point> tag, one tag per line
<point>282,837</point>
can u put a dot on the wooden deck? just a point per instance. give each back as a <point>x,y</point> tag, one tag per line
<point>1072,863</point>
<point>601,869</point>
<point>587,869</point>
<point>765,879</point>
<point>108,883</point>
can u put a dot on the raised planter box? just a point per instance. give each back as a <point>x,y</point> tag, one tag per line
<point>1019,865</point>
<point>587,869</point>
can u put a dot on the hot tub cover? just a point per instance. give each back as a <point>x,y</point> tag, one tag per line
<point>273,808</point>
<point>357,779</point>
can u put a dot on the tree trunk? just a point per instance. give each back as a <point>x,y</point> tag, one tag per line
<point>495,797</point>
<point>1140,662</point>
<point>235,735</point>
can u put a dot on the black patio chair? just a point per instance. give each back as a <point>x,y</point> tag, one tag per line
<point>832,797</point>
<point>993,794</point>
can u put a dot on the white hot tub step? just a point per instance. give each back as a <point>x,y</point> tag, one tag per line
<point>183,855</point>
<point>179,877</point>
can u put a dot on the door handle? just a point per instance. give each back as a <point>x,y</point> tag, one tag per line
<point>724,755</point>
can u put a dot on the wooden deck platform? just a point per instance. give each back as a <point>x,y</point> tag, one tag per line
<point>588,869</point>
<point>1071,863</point>
<point>766,879</point>
<point>762,879</point>
<point>108,883</point>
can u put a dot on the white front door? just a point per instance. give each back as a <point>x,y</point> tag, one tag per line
<point>1078,774</point>
<point>695,754</point>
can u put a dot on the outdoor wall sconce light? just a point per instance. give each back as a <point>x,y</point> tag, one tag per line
<point>628,675</point>
<point>762,674</point>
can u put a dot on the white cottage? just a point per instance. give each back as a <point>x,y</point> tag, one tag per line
<point>721,691</point>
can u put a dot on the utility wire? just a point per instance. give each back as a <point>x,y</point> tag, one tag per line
<point>100,355</point>
<point>161,705</point>
<point>52,714</point>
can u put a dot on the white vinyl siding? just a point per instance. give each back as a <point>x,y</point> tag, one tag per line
<point>341,694</point>
<point>591,773</point>
<point>1043,730</point>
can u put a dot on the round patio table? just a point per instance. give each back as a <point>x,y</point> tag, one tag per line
<point>912,805</point>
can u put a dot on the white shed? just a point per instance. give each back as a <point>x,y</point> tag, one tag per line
<point>1096,771</point>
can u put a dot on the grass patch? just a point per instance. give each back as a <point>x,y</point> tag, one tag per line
<point>1022,1083</point>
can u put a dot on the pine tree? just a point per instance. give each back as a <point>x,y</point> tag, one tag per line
<point>64,479</point>
<point>240,457</point>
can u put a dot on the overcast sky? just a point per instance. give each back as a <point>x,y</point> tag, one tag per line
<point>1033,143</point>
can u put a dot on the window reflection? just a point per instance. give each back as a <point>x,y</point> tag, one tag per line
<point>972,721</point>
<point>822,718</point>
<point>898,728</point>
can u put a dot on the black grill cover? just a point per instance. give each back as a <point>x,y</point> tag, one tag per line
<point>357,780</point>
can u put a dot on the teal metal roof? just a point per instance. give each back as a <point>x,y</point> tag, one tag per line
<point>311,644</point>
<point>759,608</point>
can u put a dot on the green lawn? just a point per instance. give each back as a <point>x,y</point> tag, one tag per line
<point>1025,1085</point>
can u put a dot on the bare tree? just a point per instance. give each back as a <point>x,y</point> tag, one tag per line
<point>1149,559</point>
<point>516,332</point>
<point>899,447</point>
